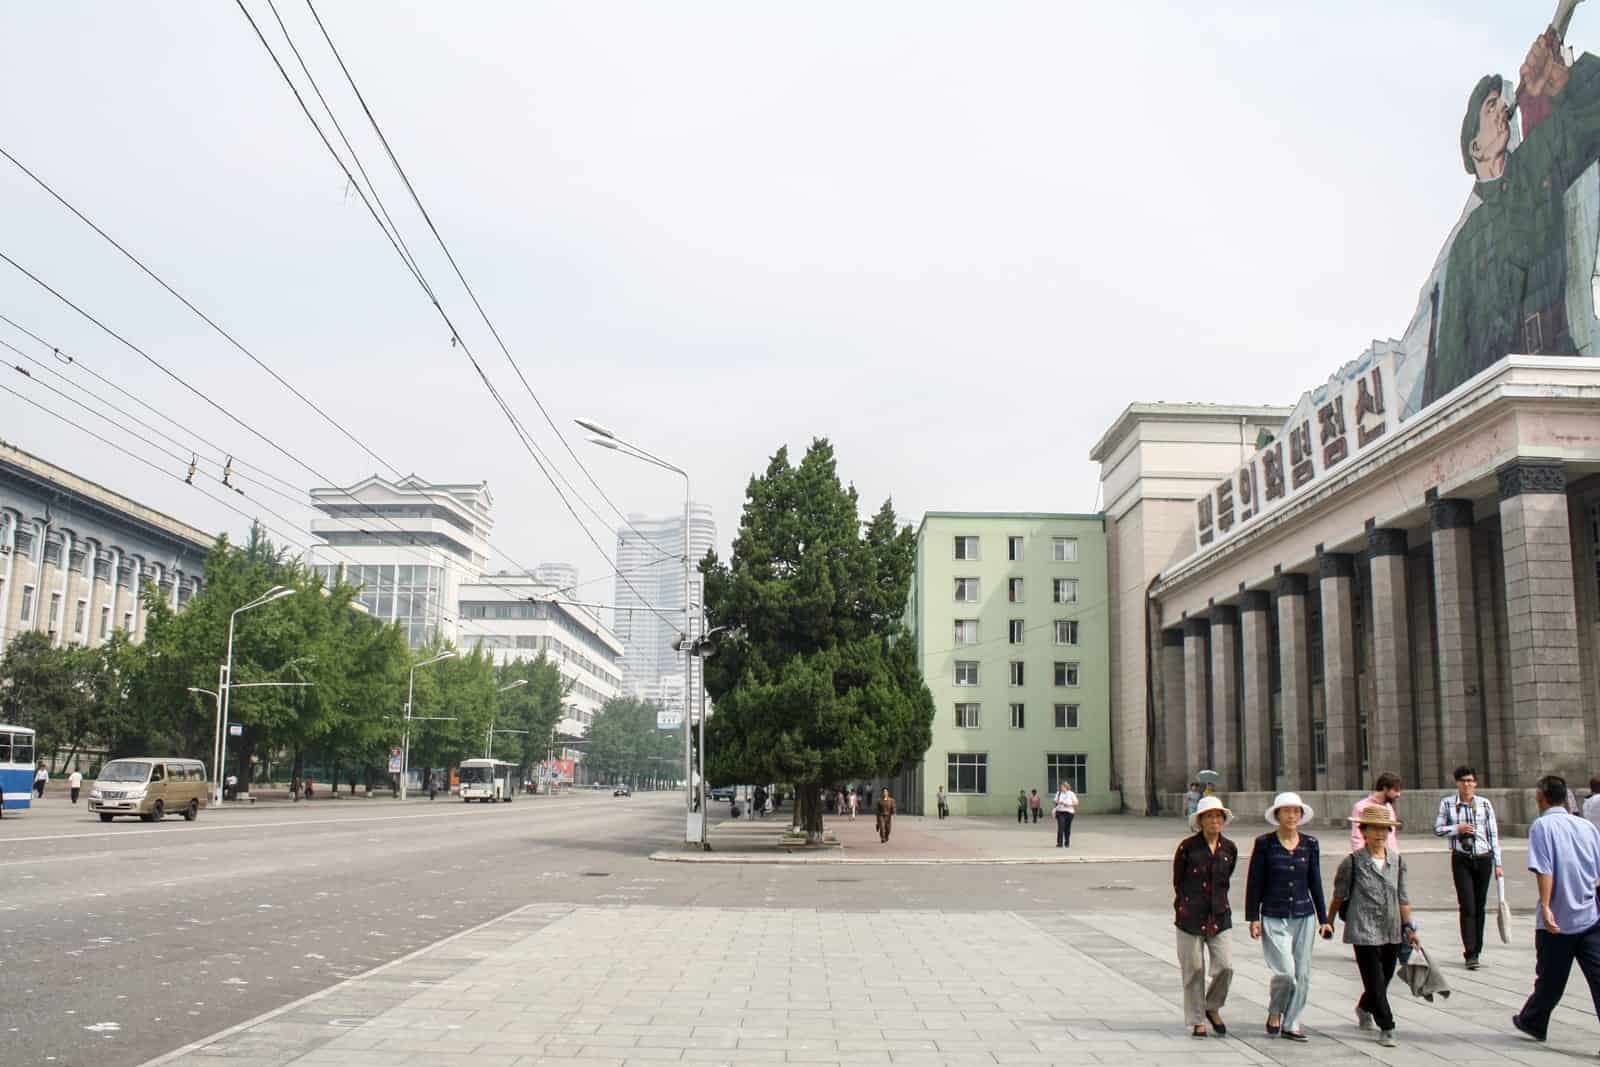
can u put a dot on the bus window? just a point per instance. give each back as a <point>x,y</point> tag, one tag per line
<point>22,749</point>
<point>5,747</point>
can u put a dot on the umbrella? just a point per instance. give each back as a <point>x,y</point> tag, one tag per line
<point>1503,911</point>
<point>1208,777</point>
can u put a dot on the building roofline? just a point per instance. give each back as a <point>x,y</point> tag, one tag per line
<point>1032,516</point>
<point>123,507</point>
<point>1138,412</point>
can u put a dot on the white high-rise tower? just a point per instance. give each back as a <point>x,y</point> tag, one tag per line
<point>650,566</point>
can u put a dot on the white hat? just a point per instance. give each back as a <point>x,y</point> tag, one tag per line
<point>1208,804</point>
<point>1289,800</point>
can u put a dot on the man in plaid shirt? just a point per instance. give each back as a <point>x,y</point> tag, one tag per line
<point>1467,821</point>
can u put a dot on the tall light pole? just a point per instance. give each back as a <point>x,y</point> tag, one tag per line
<point>411,689</point>
<point>488,745</point>
<point>219,745</point>
<point>701,649</point>
<point>605,438</point>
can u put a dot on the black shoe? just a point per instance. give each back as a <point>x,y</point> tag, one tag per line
<point>1293,1035</point>
<point>1472,963</point>
<point>1217,1024</point>
<point>1516,1020</point>
<point>1274,1028</point>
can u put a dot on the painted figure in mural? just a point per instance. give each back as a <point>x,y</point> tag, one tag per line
<point>1505,283</point>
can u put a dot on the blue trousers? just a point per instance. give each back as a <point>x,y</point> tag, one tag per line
<point>1063,829</point>
<point>1553,956</point>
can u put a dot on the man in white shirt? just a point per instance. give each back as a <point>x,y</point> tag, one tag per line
<point>75,783</point>
<point>1591,807</point>
<point>1066,807</point>
<point>1467,821</point>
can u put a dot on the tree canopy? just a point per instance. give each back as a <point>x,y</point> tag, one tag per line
<point>625,746</point>
<point>815,684</point>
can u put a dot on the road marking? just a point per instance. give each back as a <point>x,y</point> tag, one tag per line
<point>245,826</point>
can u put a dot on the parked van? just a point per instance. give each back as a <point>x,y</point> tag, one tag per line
<point>151,787</point>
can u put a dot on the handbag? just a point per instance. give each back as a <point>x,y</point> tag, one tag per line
<point>1502,911</point>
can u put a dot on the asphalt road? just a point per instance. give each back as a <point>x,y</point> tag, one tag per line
<point>127,940</point>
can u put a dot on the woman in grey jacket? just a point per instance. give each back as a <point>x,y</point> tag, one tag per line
<point>1369,893</point>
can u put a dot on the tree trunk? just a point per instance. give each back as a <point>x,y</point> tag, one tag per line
<point>809,804</point>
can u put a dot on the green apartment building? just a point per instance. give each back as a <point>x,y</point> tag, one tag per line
<point>1009,612</point>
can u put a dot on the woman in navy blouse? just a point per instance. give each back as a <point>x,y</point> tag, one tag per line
<point>1284,905</point>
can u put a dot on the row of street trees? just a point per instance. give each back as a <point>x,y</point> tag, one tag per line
<point>625,746</point>
<point>126,699</point>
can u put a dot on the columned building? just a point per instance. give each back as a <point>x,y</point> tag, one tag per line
<point>407,545</point>
<point>1366,594</point>
<point>75,556</point>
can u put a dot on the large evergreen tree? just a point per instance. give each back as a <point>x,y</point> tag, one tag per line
<point>815,684</point>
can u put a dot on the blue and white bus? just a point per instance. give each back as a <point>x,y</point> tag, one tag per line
<point>16,766</point>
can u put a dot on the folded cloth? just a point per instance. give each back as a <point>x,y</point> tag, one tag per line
<point>1502,912</point>
<point>1422,978</point>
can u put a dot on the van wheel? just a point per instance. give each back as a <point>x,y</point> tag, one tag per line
<point>104,817</point>
<point>157,812</point>
<point>192,812</point>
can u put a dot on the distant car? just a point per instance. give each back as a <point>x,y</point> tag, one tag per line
<point>622,791</point>
<point>724,792</point>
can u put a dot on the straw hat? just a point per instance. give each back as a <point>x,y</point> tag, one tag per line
<point>1376,815</point>
<point>1208,804</point>
<point>1289,800</point>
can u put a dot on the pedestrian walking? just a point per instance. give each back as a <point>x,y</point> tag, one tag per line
<point>75,784</point>
<point>885,811</point>
<point>1022,805</point>
<point>1284,906</point>
<point>1191,799</point>
<point>1467,821</point>
<point>40,777</point>
<point>766,805</point>
<point>1564,856</point>
<point>433,786</point>
<point>855,802</point>
<point>1369,892</point>
<point>310,792</point>
<point>944,803</point>
<point>1591,807</point>
<point>758,801</point>
<point>1201,871</point>
<point>294,789</point>
<point>1066,806</point>
<point>1386,789</point>
<point>1035,805</point>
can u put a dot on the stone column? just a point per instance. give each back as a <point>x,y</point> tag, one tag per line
<point>1389,725</point>
<point>1225,696</point>
<point>1543,625</point>
<point>1452,741</point>
<point>1196,694</point>
<point>1177,770</point>
<point>1339,671</point>
<point>1294,679</point>
<point>1255,690</point>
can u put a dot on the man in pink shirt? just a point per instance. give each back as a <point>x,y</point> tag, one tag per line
<point>1385,791</point>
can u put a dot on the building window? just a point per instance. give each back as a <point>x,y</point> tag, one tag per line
<point>80,617</point>
<point>966,548</point>
<point>1014,549</point>
<point>1014,590</point>
<point>1319,746</point>
<point>1017,717</point>
<point>105,620</point>
<point>127,621</point>
<point>1015,631</point>
<point>1066,631</point>
<point>966,672</point>
<point>966,631</point>
<point>967,716</point>
<point>968,772</point>
<point>1016,672</point>
<point>27,603</point>
<point>22,543</point>
<point>967,590</point>
<point>1064,549</point>
<point>52,552</point>
<point>1065,590</point>
<point>55,611</point>
<point>1066,716</point>
<point>1066,674</point>
<point>1069,769</point>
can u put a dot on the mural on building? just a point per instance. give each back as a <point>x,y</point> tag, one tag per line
<point>1517,275</point>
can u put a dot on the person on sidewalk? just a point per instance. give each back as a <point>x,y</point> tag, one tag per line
<point>885,812</point>
<point>1369,890</point>
<point>1591,807</point>
<point>1191,799</point>
<point>1467,821</point>
<point>1201,871</point>
<point>1022,805</point>
<point>75,784</point>
<point>1385,791</point>
<point>1284,906</point>
<point>1066,807</point>
<point>1564,856</point>
<point>1035,805</point>
<point>855,802</point>
<point>294,789</point>
<point>40,777</point>
<point>944,803</point>
<point>433,786</point>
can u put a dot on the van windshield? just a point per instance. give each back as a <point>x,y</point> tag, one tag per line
<point>477,775</point>
<point>125,770</point>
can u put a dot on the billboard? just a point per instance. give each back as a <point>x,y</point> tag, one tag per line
<point>1516,276</point>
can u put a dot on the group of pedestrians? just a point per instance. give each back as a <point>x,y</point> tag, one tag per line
<point>1286,910</point>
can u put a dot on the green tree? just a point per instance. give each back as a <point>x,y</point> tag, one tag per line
<point>625,746</point>
<point>814,684</point>
<point>41,691</point>
<point>533,708</point>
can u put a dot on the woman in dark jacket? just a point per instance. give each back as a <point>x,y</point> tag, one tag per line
<point>1284,905</point>
<point>1201,871</point>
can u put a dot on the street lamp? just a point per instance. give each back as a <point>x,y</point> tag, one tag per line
<point>605,438</point>
<point>411,689</point>
<point>702,648</point>
<point>244,685</point>
<point>219,745</point>
<point>488,746</point>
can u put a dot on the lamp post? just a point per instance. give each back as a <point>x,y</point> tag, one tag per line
<point>219,746</point>
<point>488,746</point>
<point>605,438</point>
<point>411,689</point>
<point>701,648</point>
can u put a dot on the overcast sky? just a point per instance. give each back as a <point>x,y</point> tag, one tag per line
<point>955,238</point>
